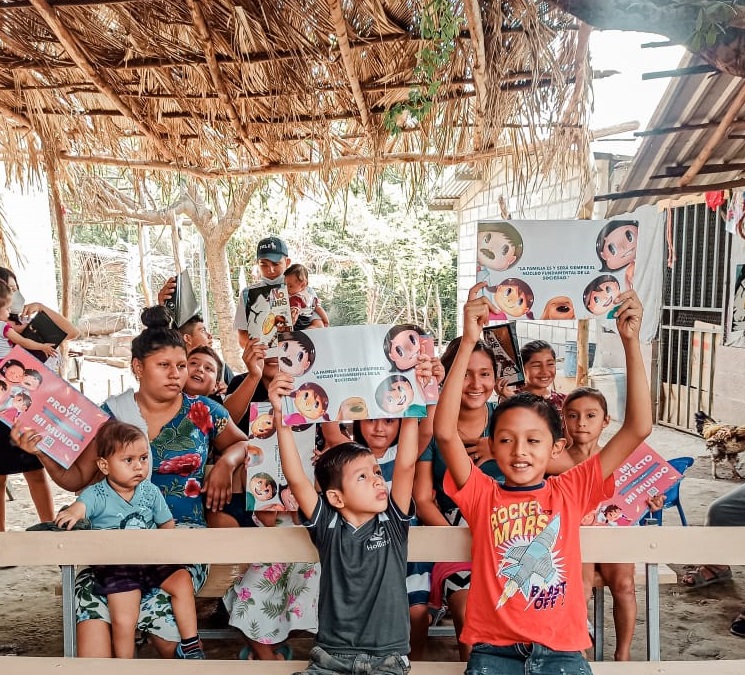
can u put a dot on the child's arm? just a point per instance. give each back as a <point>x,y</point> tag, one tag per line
<point>72,514</point>
<point>300,486</point>
<point>322,313</point>
<point>62,322</point>
<point>17,339</point>
<point>168,525</point>
<point>637,423</point>
<point>405,463</point>
<point>475,317</point>
<point>237,401</point>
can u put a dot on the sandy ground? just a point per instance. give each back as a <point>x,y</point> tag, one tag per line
<point>695,624</point>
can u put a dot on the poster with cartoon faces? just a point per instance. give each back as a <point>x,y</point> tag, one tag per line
<point>266,486</point>
<point>351,373</point>
<point>563,269</point>
<point>267,314</point>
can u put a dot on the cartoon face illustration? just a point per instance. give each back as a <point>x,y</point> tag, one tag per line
<point>600,293</point>
<point>262,486</point>
<point>513,297</point>
<point>352,408</point>
<point>263,426</point>
<point>612,513</point>
<point>616,244</point>
<point>394,394</point>
<point>311,401</point>
<point>560,307</point>
<point>498,246</point>
<point>254,456</point>
<point>404,349</point>
<point>14,372</point>
<point>297,354</point>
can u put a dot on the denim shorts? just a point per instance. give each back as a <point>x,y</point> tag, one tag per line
<point>525,659</point>
<point>325,663</point>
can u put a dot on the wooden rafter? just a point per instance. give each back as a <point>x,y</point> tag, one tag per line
<point>683,128</point>
<point>677,171</point>
<point>476,28</point>
<point>300,167</point>
<point>70,44</point>
<point>205,41</point>
<point>342,37</point>
<point>733,110</point>
<point>672,190</point>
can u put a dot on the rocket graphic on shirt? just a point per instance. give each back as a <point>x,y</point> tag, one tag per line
<point>531,566</point>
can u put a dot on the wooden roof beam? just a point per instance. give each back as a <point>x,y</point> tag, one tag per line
<point>476,28</point>
<point>303,167</point>
<point>70,44</point>
<point>205,41</point>
<point>671,190</point>
<point>733,110</point>
<point>342,37</point>
<point>677,171</point>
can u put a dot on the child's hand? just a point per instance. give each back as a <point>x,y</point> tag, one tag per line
<point>476,313</point>
<point>166,293</point>
<point>656,503</point>
<point>66,518</point>
<point>503,388</point>
<point>629,315</point>
<point>48,349</point>
<point>253,356</point>
<point>438,370</point>
<point>280,386</point>
<point>26,439</point>
<point>423,369</point>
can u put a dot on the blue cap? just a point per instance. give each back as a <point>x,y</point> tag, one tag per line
<point>272,248</point>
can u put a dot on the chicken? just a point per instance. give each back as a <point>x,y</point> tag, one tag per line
<point>723,441</point>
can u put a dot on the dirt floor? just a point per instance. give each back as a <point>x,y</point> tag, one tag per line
<point>695,624</point>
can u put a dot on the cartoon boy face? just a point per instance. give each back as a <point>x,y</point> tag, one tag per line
<point>619,247</point>
<point>14,374</point>
<point>600,300</point>
<point>309,404</point>
<point>263,426</point>
<point>398,397</point>
<point>261,488</point>
<point>404,351</point>
<point>294,358</point>
<point>495,251</point>
<point>511,300</point>
<point>30,383</point>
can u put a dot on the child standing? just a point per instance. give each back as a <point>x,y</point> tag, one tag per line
<point>126,500</point>
<point>526,610</point>
<point>9,336</point>
<point>306,310</point>
<point>361,535</point>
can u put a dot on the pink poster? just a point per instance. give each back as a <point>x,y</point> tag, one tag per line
<point>644,475</point>
<point>38,398</point>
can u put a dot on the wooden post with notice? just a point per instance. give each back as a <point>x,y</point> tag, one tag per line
<point>583,346</point>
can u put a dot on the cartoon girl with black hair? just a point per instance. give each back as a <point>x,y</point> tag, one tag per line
<point>616,247</point>
<point>600,295</point>
<point>514,298</point>
<point>311,405</point>
<point>402,346</point>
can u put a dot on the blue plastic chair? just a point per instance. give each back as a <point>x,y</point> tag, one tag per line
<point>672,495</point>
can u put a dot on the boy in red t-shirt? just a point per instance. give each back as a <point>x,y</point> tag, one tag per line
<point>527,605</point>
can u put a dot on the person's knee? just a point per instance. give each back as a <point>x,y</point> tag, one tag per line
<point>728,510</point>
<point>622,587</point>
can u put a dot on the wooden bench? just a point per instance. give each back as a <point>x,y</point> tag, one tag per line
<point>650,546</point>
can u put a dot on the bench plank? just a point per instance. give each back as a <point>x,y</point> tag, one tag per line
<point>28,665</point>
<point>715,545</point>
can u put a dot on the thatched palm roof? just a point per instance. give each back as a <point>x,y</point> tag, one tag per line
<point>240,87</point>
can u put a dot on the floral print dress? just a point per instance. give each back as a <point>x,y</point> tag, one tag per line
<point>179,457</point>
<point>272,600</point>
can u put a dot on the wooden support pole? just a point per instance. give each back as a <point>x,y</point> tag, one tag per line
<point>672,190</point>
<point>716,138</point>
<point>583,347</point>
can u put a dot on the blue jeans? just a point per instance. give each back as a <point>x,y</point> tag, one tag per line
<point>323,663</point>
<point>525,659</point>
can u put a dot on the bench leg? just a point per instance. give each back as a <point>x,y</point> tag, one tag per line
<point>68,610</point>
<point>598,619</point>
<point>653,612</point>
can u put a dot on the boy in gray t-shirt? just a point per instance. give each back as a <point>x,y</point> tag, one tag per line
<point>361,535</point>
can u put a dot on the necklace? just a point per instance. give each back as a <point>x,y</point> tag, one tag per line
<point>464,436</point>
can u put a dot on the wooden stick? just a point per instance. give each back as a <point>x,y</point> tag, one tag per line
<point>476,27</point>
<point>716,138</point>
<point>583,345</point>
<point>672,190</point>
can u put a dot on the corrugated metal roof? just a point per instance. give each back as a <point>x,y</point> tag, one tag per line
<point>689,100</point>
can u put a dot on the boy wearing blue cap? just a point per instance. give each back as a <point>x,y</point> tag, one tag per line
<point>273,260</point>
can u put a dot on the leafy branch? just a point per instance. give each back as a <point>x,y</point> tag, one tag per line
<point>440,26</point>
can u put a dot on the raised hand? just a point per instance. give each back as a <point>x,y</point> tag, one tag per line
<point>280,386</point>
<point>629,315</point>
<point>476,313</point>
<point>253,356</point>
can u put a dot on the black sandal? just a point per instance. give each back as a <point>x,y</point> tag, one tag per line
<point>738,626</point>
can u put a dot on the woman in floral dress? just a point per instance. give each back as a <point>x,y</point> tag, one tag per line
<point>180,429</point>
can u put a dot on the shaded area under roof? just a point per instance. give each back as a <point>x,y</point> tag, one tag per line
<point>685,118</point>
